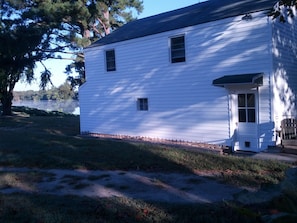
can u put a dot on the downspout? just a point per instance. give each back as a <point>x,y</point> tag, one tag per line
<point>272,116</point>
<point>258,119</point>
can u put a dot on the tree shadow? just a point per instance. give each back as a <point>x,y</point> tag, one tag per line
<point>53,142</point>
<point>50,208</point>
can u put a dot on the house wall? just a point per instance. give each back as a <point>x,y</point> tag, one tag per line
<point>183,104</point>
<point>284,50</point>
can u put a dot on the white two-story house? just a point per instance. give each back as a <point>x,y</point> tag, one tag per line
<point>218,72</point>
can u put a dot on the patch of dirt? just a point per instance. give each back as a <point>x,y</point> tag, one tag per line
<point>161,187</point>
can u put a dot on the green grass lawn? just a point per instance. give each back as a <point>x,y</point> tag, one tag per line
<point>39,139</point>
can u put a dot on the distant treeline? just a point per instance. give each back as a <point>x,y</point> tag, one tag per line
<point>64,92</point>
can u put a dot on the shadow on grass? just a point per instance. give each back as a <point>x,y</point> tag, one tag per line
<point>50,208</point>
<point>54,142</point>
<point>29,208</point>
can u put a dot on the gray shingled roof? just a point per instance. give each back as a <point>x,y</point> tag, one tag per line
<point>204,12</point>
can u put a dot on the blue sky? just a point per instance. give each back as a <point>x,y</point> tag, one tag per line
<point>151,7</point>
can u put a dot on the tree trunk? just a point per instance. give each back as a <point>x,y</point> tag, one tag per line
<point>107,25</point>
<point>6,101</point>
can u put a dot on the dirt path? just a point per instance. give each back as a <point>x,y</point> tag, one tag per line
<point>177,188</point>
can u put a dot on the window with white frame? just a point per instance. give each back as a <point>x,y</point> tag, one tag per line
<point>110,60</point>
<point>177,49</point>
<point>142,104</point>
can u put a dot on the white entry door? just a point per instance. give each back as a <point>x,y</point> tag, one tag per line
<point>247,119</point>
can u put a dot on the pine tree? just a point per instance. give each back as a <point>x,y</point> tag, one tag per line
<point>284,9</point>
<point>36,30</point>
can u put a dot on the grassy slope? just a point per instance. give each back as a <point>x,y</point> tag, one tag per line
<point>53,141</point>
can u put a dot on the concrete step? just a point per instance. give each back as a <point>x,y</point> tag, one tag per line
<point>290,149</point>
<point>289,142</point>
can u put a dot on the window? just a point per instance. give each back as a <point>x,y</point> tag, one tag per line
<point>142,104</point>
<point>178,52</point>
<point>110,60</point>
<point>246,108</point>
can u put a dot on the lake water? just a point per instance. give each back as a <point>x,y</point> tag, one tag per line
<point>66,106</point>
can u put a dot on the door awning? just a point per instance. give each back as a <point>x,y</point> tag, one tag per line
<point>254,79</point>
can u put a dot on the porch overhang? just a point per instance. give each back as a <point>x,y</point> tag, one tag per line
<point>254,79</point>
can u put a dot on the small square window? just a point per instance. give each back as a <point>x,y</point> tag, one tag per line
<point>178,52</point>
<point>247,144</point>
<point>142,104</point>
<point>110,60</point>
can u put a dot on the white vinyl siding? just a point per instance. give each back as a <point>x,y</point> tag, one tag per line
<point>183,104</point>
<point>284,51</point>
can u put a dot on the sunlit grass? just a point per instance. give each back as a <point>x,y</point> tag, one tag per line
<point>22,181</point>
